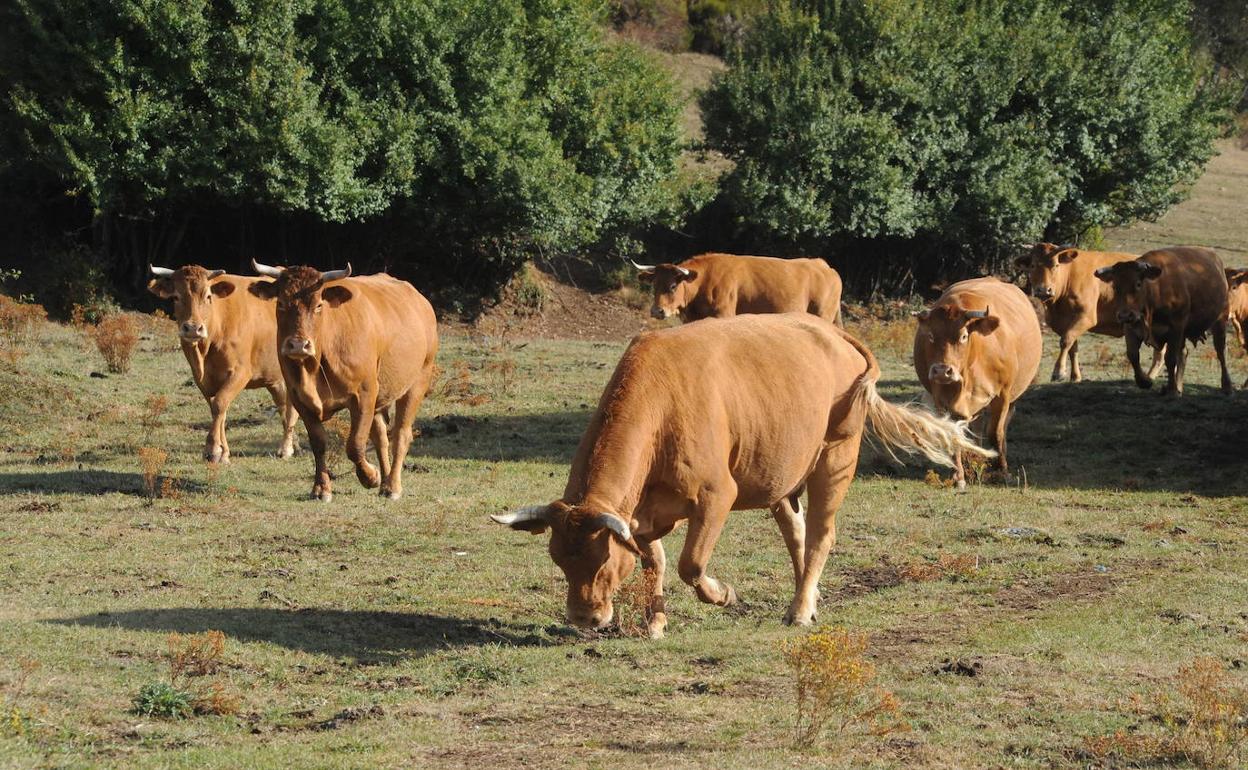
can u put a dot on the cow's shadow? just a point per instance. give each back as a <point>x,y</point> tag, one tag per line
<point>365,637</point>
<point>1110,435</point>
<point>545,437</point>
<point>85,482</point>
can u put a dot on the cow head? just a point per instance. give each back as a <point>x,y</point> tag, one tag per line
<point>1131,280</point>
<point>595,550</point>
<point>945,338</point>
<point>1237,281</point>
<point>1048,268</point>
<point>302,296</point>
<point>674,287</point>
<point>192,289</point>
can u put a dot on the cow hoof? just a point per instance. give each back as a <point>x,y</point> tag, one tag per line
<point>805,619</point>
<point>285,452</point>
<point>657,625</point>
<point>323,495</point>
<point>217,455</point>
<point>391,494</point>
<point>730,596</point>
<point>1144,383</point>
<point>960,485</point>
<point>368,476</point>
<point>1057,377</point>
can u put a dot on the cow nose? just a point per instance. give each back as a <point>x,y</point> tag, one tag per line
<point>1128,316</point>
<point>657,312</point>
<point>297,347</point>
<point>941,373</point>
<point>1043,292</point>
<point>192,330</point>
<point>590,618</point>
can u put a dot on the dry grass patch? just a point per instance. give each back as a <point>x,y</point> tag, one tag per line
<point>115,337</point>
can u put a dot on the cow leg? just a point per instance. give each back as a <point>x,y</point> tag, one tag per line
<point>1076,374</point>
<point>405,410</point>
<point>705,527</point>
<point>216,449</point>
<point>362,413</point>
<point>1159,359</point>
<point>381,443</point>
<point>1219,344</point>
<point>827,484</point>
<point>1065,355</point>
<point>322,483</point>
<point>999,413</point>
<point>792,525</point>
<point>289,417</point>
<point>654,565</point>
<point>1133,356</point>
<point>1176,361</point>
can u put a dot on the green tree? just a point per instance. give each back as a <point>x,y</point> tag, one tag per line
<point>946,132</point>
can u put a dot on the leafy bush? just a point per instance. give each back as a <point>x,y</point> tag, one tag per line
<point>463,135</point>
<point>945,133</point>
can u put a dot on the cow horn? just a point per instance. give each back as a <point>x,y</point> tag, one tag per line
<point>642,268</point>
<point>531,513</point>
<point>333,275</point>
<point>271,272</point>
<point>977,313</point>
<point>160,272</point>
<point>683,270</point>
<point>615,524</point>
<point>216,273</point>
<point>922,315</point>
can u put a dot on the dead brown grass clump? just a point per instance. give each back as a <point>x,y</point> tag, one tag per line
<point>115,337</point>
<point>18,322</point>
<point>953,566</point>
<point>1204,719</point>
<point>152,459</point>
<point>632,604</point>
<point>835,688</point>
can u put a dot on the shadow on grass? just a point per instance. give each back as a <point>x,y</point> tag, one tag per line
<point>549,437</point>
<point>365,637</point>
<point>84,482</point>
<point>1111,435</point>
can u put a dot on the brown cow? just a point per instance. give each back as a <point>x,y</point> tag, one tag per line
<point>229,338</point>
<point>978,346</point>
<point>1063,279</point>
<point>726,285</point>
<point>1171,295</point>
<point>362,344</point>
<point>1237,304</point>
<point>716,416</point>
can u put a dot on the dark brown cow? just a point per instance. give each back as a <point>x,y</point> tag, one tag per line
<point>716,416</point>
<point>726,285</point>
<point>1064,279</point>
<point>1237,304</point>
<point>229,337</point>
<point>360,344</point>
<point>978,347</point>
<point>1171,296</point>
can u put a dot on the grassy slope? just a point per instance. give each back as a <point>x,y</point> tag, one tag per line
<point>451,624</point>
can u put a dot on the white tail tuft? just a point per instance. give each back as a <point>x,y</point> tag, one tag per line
<point>916,430</point>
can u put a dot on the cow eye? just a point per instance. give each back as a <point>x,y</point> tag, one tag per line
<point>1139,284</point>
<point>965,336</point>
<point>319,306</point>
<point>931,337</point>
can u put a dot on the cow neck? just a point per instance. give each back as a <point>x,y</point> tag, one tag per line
<point>196,352</point>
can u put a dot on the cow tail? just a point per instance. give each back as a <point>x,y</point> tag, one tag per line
<point>914,429</point>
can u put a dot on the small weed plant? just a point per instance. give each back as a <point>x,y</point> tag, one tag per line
<point>115,337</point>
<point>835,687</point>
<point>193,660</point>
<point>18,322</point>
<point>152,460</point>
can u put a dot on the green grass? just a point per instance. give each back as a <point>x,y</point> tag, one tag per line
<point>1133,564</point>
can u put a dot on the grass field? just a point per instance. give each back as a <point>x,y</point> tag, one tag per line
<point>365,633</point>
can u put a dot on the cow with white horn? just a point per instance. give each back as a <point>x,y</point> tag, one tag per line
<point>364,344</point>
<point>689,429</point>
<point>228,336</point>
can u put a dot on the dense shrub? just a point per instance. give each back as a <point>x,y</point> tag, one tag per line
<point>939,135</point>
<point>476,131</point>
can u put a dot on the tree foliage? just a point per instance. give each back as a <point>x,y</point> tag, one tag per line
<point>954,130</point>
<point>488,128</point>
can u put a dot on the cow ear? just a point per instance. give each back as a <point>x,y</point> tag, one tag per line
<point>1023,262</point>
<point>1151,271</point>
<point>223,289</point>
<point>1067,256</point>
<point>161,287</point>
<point>922,315</point>
<point>263,289</point>
<point>646,276</point>
<point>336,295</point>
<point>1106,273</point>
<point>986,325</point>
<point>1236,276</point>
<point>688,275</point>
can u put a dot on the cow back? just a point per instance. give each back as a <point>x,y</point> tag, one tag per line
<point>734,284</point>
<point>1191,290</point>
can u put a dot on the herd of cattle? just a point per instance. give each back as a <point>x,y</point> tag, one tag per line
<point>761,397</point>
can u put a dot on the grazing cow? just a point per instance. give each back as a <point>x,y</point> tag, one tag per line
<point>229,338</point>
<point>362,344</point>
<point>711,417</point>
<point>1171,295</point>
<point>978,346</point>
<point>1063,279</point>
<point>1237,304</point>
<point>726,285</point>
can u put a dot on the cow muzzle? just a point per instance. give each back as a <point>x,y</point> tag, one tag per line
<point>298,348</point>
<point>943,374</point>
<point>594,618</point>
<point>658,313</point>
<point>1129,316</point>
<point>192,331</point>
<point>1042,293</point>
